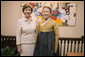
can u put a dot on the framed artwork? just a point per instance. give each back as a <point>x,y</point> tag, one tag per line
<point>63,13</point>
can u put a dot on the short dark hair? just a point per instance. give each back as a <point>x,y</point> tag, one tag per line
<point>48,8</point>
<point>26,6</point>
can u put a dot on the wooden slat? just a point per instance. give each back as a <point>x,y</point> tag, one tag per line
<point>69,46</point>
<point>73,46</point>
<point>83,47</point>
<point>8,36</point>
<point>76,46</point>
<point>62,50</point>
<point>80,47</point>
<point>75,54</point>
<point>59,47</point>
<point>66,47</point>
<point>65,38</point>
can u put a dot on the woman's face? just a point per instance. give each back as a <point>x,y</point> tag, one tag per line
<point>46,13</point>
<point>27,12</point>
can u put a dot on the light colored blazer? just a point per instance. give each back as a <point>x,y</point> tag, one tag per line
<point>25,31</point>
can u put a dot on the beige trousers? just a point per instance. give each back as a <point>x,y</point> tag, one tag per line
<point>27,49</point>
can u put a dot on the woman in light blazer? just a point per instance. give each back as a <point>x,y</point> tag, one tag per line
<point>26,33</point>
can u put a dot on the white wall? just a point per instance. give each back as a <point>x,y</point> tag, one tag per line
<point>11,12</point>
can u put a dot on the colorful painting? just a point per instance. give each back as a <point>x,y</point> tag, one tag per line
<point>63,13</point>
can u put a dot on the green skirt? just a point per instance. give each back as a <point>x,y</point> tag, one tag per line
<point>45,44</point>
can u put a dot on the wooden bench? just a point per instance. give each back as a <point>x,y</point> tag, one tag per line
<point>75,54</point>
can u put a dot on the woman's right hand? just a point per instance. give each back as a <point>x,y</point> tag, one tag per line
<point>19,48</point>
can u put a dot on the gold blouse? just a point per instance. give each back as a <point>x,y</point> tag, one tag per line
<point>46,26</point>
